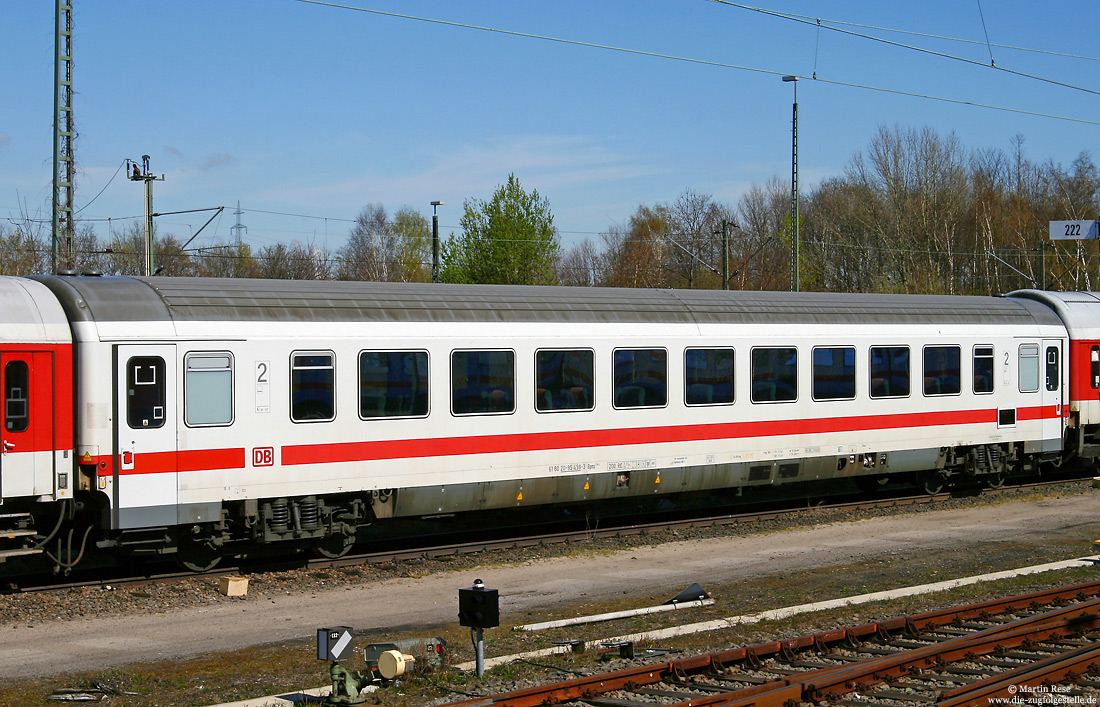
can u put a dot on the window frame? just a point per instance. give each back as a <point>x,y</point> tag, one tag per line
<point>925,370</point>
<point>592,379</point>
<point>452,390</point>
<point>992,368</point>
<point>231,369</point>
<point>427,385</point>
<point>871,371</point>
<point>293,368</point>
<point>752,375</point>
<point>615,377</point>
<point>1020,367</point>
<point>813,373</point>
<point>732,379</point>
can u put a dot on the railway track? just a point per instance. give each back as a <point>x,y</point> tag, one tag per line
<point>430,548</point>
<point>1039,648</point>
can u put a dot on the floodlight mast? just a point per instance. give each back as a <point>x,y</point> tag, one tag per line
<point>435,239</point>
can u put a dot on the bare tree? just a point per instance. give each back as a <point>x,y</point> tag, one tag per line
<point>368,254</point>
<point>634,256</point>
<point>580,266</point>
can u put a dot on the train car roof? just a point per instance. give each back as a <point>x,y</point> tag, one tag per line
<point>1080,311</point>
<point>226,299</point>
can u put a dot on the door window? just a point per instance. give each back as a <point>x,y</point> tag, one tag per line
<point>1052,368</point>
<point>16,381</point>
<point>145,392</point>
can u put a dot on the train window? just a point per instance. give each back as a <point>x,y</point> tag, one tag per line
<point>774,375</point>
<point>641,378</point>
<point>889,367</point>
<point>941,370</point>
<point>393,384</point>
<point>563,380</point>
<point>983,369</point>
<point>312,386</point>
<point>708,376</point>
<point>1052,377</point>
<point>1029,368</point>
<point>834,374</point>
<point>16,382</point>
<point>145,392</point>
<point>1094,370</point>
<point>483,382</point>
<point>208,389</point>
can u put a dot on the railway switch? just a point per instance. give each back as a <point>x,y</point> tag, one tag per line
<point>335,644</point>
<point>385,662</point>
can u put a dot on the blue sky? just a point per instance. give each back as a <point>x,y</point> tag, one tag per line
<point>316,110</point>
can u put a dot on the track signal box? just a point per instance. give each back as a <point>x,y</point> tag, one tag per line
<point>334,643</point>
<point>478,607</point>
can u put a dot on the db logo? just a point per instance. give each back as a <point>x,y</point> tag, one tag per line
<point>263,456</point>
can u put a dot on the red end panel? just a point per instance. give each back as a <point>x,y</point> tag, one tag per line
<point>42,394</point>
<point>1084,375</point>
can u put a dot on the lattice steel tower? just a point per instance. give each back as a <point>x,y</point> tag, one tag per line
<point>63,134</point>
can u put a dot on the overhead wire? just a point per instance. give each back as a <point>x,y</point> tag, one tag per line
<point>985,30</point>
<point>706,62</point>
<point>103,189</point>
<point>961,40</point>
<point>910,47</point>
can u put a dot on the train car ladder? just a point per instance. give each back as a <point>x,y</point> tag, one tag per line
<point>16,535</point>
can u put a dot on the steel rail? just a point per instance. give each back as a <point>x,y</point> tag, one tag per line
<point>1043,672</point>
<point>799,687</point>
<point>830,683</point>
<point>864,675</point>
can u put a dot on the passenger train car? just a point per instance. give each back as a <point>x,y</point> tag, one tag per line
<point>211,417</point>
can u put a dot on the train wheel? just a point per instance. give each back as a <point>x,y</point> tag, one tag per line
<point>334,546</point>
<point>870,484</point>
<point>995,481</point>
<point>197,556</point>
<point>930,482</point>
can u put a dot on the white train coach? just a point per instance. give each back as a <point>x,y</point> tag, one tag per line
<point>210,417</point>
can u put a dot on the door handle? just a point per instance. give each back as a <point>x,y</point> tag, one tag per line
<point>8,446</point>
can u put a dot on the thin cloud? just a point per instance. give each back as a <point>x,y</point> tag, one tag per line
<point>543,162</point>
<point>216,160</point>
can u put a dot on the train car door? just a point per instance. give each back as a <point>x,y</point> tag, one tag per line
<point>1052,392</point>
<point>26,423</point>
<point>145,435</point>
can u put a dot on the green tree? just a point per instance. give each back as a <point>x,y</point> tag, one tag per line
<point>413,245</point>
<point>509,239</point>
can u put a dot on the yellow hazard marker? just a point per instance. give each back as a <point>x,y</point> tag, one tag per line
<point>520,496</point>
<point>658,479</point>
<point>587,487</point>
<point>86,459</point>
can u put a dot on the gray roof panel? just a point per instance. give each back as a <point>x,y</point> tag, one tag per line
<point>219,299</point>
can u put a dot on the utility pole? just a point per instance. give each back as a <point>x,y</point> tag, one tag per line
<point>725,254</point>
<point>143,174</point>
<point>796,256</point>
<point>61,255</point>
